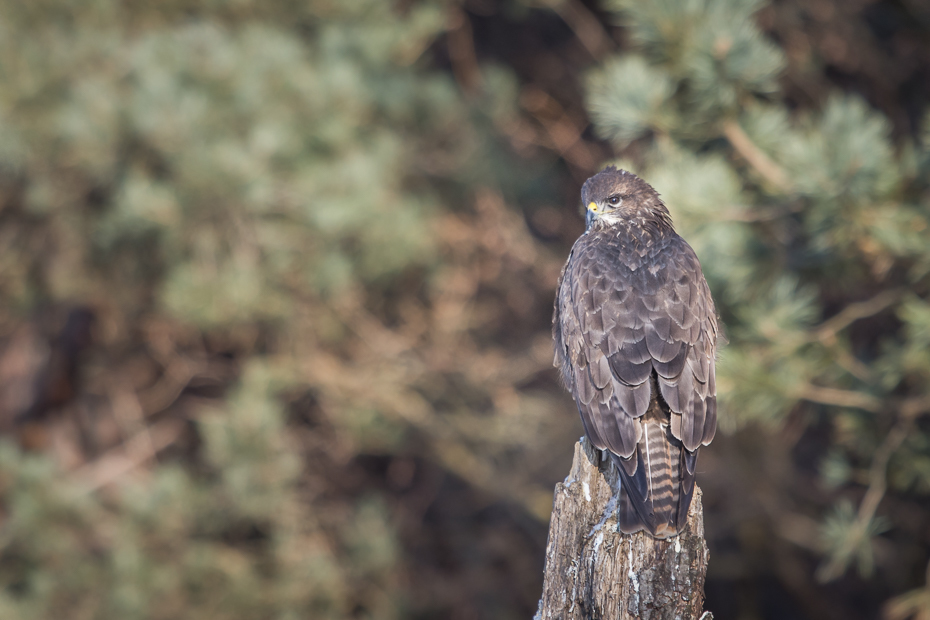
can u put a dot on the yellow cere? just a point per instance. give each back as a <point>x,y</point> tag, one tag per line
<point>592,206</point>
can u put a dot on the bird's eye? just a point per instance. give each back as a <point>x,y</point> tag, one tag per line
<point>614,200</point>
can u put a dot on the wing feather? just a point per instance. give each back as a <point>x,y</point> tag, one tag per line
<point>599,371</point>
<point>710,421</point>
<point>633,400</point>
<point>628,371</point>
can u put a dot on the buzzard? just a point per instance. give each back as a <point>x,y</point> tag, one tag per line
<point>635,335</point>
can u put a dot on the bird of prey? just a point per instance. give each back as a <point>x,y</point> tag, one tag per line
<point>635,335</point>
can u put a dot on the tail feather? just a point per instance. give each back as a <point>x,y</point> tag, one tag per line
<point>686,471</point>
<point>662,474</point>
<point>628,519</point>
<point>657,481</point>
<point>633,513</point>
<point>663,508</point>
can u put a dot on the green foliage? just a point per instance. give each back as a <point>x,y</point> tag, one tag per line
<point>245,187</point>
<point>234,541</point>
<point>848,539</point>
<point>249,157</point>
<point>809,226</point>
<point>911,358</point>
<point>627,98</point>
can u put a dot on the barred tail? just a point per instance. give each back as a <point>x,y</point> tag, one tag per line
<point>662,478</point>
<point>657,482</point>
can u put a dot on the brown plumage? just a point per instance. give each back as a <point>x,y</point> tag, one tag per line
<point>635,335</point>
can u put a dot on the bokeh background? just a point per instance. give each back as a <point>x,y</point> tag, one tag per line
<point>276,280</point>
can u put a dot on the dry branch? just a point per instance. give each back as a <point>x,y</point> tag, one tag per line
<point>595,571</point>
<point>756,157</point>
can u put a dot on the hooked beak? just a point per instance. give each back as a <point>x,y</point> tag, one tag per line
<point>590,214</point>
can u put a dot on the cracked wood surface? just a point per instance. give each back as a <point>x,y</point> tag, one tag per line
<point>594,571</point>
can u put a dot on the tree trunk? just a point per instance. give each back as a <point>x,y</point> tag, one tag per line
<point>594,571</point>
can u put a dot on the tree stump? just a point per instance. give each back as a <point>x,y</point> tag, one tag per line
<point>594,571</point>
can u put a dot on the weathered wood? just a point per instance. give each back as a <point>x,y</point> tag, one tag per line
<point>593,571</point>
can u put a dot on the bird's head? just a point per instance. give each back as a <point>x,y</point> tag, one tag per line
<point>612,196</point>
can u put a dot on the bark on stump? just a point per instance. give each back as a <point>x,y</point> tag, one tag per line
<point>594,571</point>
